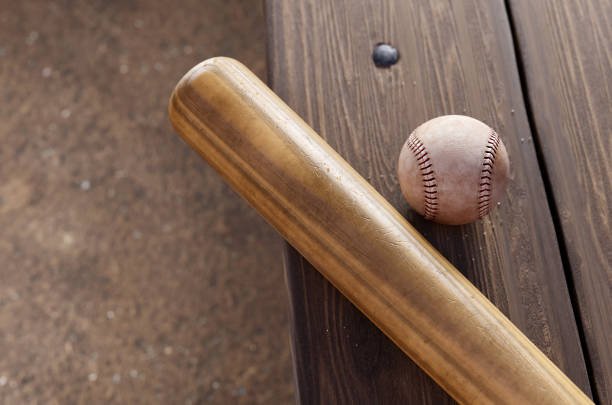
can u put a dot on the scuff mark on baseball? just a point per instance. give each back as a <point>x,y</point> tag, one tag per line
<point>453,169</point>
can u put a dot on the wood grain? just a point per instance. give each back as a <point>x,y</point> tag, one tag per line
<point>359,242</point>
<point>455,57</point>
<point>566,49</point>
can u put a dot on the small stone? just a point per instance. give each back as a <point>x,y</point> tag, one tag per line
<point>32,37</point>
<point>123,69</point>
<point>65,113</point>
<point>133,373</point>
<point>116,378</point>
<point>137,234</point>
<point>92,377</point>
<point>47,153</point>
<point>68,239</point>
<point>168,350</point>
<point>46,72</point>
<point>3,381</point>
<point>85,185</point>
<point>215,385</point>
<point>13,295</point>
<point>110,314</point>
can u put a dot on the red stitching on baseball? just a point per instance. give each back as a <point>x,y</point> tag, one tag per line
<point>486,173</point>
<point>430,187</point>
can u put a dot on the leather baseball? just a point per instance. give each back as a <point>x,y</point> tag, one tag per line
<point>453,169</point>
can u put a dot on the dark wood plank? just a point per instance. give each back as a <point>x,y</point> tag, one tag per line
<point>566,49</point>
<point>456,57</point>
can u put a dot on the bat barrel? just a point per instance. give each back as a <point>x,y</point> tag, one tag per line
<point>359,242</point>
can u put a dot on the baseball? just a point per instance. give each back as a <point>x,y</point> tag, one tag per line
<point>453,169</point>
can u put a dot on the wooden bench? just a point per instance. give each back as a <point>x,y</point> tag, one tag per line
<point>538,72</point>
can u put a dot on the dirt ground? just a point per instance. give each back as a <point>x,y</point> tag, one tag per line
<point>129,272</point>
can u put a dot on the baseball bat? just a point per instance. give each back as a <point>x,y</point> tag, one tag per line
<point>359,242</point>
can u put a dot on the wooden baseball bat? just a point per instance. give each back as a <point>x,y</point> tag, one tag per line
<point>359,242</point>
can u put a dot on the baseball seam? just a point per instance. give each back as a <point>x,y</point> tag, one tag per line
<point>486,174</point>
<point>425,165</point>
